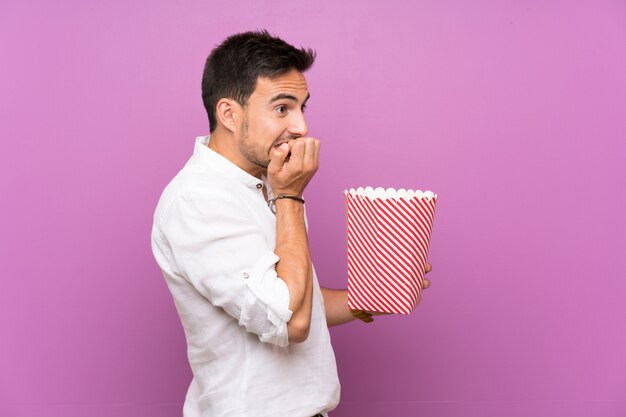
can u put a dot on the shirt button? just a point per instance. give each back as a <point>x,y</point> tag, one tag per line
<point>245,275</point>
<point>259,186</point>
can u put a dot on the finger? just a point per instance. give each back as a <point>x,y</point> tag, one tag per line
<point>290,142</point>
<point>317,154</point>
<point>309,154</point>
<point>426,284</point>
<point>362,315</point>
<point>278,158</point>
<point>297,153</point>
<point>428,268</point>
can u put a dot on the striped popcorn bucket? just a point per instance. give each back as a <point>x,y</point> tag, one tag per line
<point>388,239</point>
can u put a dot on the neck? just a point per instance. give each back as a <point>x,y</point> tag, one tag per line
<point>225,144</point>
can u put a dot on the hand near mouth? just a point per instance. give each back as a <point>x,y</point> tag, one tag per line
<point>292,166</point>
<point>283,147</point>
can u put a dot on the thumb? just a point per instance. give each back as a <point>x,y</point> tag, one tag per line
<point>278,158</point>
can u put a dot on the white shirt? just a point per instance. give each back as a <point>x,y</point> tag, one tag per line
<point>214,238</point>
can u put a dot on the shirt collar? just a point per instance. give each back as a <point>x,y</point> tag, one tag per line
<point>208,157</point>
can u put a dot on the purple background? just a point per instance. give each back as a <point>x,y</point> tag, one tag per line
<point>513,112</point>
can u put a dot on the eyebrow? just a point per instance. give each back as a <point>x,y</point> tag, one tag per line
<point>285,96</point>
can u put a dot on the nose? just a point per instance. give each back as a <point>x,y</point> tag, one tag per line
<point>298,127</point>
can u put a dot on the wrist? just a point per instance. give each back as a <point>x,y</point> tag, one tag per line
<point>294,193</point>
<point>285,199</point>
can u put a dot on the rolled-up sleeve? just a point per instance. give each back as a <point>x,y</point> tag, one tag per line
<point>218,246</point>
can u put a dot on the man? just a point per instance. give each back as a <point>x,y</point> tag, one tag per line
<point>230,237</point>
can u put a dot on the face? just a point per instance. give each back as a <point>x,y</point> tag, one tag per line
<point>273,115</point>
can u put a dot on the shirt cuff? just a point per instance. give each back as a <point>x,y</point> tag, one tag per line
<point>266,306</point>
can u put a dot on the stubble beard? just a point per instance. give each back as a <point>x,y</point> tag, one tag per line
<point>250,150</point>
<point>254,152</point>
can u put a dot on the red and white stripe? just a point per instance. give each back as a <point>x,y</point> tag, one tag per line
<point>388,240</point>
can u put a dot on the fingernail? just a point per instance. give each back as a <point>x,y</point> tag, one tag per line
<point>284,147</point>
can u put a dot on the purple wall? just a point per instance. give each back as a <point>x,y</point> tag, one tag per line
<point>513,112</point>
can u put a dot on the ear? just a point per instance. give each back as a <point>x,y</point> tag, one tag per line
<point>228,112</point>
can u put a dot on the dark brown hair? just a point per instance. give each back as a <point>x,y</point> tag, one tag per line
<point>232,68</point>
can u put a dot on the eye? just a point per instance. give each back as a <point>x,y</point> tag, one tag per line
<point>303,108</point>
<point>282,109</point>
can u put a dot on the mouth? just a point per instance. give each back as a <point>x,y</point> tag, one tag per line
<point>279,143</point>
<point>276,147</point>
